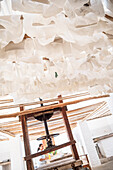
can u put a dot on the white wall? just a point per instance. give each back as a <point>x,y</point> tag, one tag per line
<point>101,127</point>
<point>88,144</point>
<point>4,150</point>
<point>16,154</point>
<point>107,146</point>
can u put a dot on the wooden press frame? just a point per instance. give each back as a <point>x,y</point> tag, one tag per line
<point>28,156</point>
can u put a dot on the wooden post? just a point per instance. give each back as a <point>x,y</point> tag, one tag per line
<point>29,163</point>
<point>69,132</point>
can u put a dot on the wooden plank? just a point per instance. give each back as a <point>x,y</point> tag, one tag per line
<point>34,122</point>
<point>26,141</point>
<point>6,101</point>
<point>103,137</point>
<point>42,129</point>
<point>94,111</point>
<point>58,129</point>
<point>78,109</point>
<point>17,123</point>
<point>49,150</point>
<point>100,111</point>
<point>100,116</point>
<point>49,107</point>
<point>9,123</point>
<point>4,139</point>
<point>51,127</point>
<point>44,101</point>
<point>61,163</point>
<point>48,111</point>
<point>69,132</point>
<point>7,132</point>
<point>55,122</point>
<point>51,130</point>
<point>58,119</point>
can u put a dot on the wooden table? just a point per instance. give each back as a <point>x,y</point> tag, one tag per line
<point>61,163</point>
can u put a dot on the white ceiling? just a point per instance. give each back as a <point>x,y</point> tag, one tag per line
<point>70,48</point>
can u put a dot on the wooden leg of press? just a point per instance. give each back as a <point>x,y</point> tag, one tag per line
<point>23,119</point>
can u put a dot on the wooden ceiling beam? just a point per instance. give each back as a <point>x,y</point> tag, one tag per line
<point>58,129</point>
<point>39,109</point>
<point>55,117</point>
<point>100,115</point>
<point>109,114</point>
<point>7,132</point>
<point>17,123</point>
<point>6,101</point>
<point>103,137</point>
<point>91,114</point>
<point>59,118</point>
<point>4,139</point>
<point>51,130</point>
<point>85,107</point>
<point>44,101</point>
<point>73,121</point>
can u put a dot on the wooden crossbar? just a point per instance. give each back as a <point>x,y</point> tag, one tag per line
<point>26,112</point>
<point>44,101</point>
<point>49,150</point>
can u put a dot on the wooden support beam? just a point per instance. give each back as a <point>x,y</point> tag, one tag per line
<point>86,108</point>
<point>42,129</point>
<point>109,114</point>
<point>4,139</point>
<point>6,101</point>
<point>9,123</point>
<point>44,101</point>
<point>39,109</point>
<point>26,141</point>
<point>53,120</point>
<point>100,111</point>
<point>99,114</point>
<point>7,132</point>
<point>53,129</point>
<point>91,114</point>
<point>49,150</point>
<point>56,129</point>
<point>16,123</point>
<point>59,124</point>
<point>69,132</point>
<point>103,137</point>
